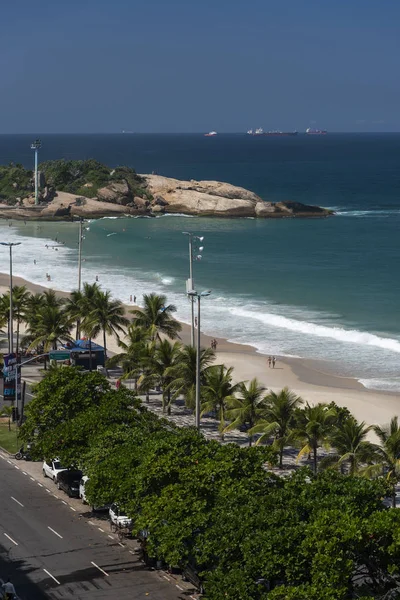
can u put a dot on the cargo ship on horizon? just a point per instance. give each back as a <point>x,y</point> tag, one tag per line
<point>275,132</point>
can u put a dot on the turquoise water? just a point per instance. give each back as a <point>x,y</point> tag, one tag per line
<point>321,289</point>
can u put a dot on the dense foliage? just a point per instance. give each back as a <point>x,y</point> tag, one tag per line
<point>74,175</point>
<point>251,534</point>
<point>15,182</point>
<point>81,177</point>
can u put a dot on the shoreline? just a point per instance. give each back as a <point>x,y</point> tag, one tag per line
<point>300,375</point>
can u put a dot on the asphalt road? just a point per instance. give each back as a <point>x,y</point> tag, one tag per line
<point>49,551</point>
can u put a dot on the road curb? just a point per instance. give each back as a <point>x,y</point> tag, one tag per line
<point>7,452</point>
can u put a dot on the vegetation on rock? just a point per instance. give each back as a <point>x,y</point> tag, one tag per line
<point>86,177</point>
<point>15,182</point>
<point>80,177</point>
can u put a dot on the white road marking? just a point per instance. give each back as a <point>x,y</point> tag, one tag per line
<point>47,490</point>
<point>32,479</point>
<point>55,496</point>
<point>167,578</point>
<point>121,544</point>
<point>17,467</point>
<point>52,576</point>
<point>63,501</point>
<point>9,462</point>
<point>24,473</point>
<point>51,529</point>
<point>72,508</point>
<point>11,540</point>
<point>39,484</point>
<point>17,501</point>
<point>131,552</point>
<point>100,529</point>
<point>99,568</point>
<point>90,523</point>
<point>111,536</point>
<point>179,587</point>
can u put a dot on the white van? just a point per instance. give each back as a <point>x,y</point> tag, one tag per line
<point>82,494</point>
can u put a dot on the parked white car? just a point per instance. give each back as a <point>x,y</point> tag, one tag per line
<point>51,468</point>
<point>82,494</point>
<point>118,516</point>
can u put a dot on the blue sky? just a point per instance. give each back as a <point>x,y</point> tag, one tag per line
<point>187,66</point>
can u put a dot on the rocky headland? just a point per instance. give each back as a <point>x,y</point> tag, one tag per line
<point>69,189</point>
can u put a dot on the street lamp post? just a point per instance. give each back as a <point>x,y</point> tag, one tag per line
<point>10,330</point>
<point>80,254</point>
<point>190,281</point>
<point>36,145</point>
<point>193,295</point>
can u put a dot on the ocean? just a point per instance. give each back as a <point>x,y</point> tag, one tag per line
<point>323,289</point>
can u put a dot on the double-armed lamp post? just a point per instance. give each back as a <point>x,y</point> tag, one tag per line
<point>193,294</point>
<point>193,255</point>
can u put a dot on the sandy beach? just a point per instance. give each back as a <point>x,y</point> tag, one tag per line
<point>300,375</point>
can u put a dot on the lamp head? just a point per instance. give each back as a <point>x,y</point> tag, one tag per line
<point>207,293</point>
<point>200,237</point>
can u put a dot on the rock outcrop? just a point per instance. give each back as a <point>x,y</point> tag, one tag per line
<point>162,195</point>
<point>215,198</point>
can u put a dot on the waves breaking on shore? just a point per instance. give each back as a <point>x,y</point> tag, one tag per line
<point>270,328</point>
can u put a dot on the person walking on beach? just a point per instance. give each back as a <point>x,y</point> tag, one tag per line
<point>134,299</point>
<point>273,362</point>
<point>269,361</point>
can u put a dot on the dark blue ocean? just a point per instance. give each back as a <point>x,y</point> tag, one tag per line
<point>321,289</point>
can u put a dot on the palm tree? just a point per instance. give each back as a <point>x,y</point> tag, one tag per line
<point>388,454</point>
<point>106,316</point>
<point>163,360</point>
<point>352,448</point>
<point>86,303</point>
<point>50,298</point>
<point>218,391</point>
<point>246,408</point>
<point>73,308</point>
<point>312,429</point>
<point>21,298</point>
<point>156,316</point>
<point>51,326</point>
<point>183,374</point>
<point>278,419</point>
<point>133,352</point>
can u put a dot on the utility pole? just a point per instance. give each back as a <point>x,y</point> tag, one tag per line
<point>36,145</point>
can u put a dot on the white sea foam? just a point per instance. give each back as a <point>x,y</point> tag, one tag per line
<point>175,215</point>
<point>368,213</point>
<point>388,385</point>
<point>270,328</point>
<point>336,333</point>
